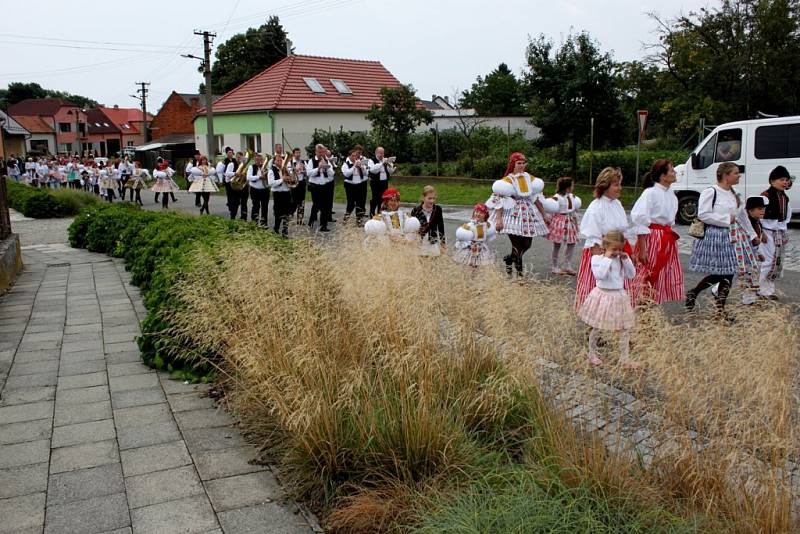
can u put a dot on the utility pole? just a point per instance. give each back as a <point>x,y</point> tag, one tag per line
<point>210,145</point>
<point>143,90</point>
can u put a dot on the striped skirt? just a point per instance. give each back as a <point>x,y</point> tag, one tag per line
<point>564,229</point>
<point>607,309</point>
<point>661,280</point>
<point>524,219</point>
<point>714,253</point>
<point>586,281</point>
<point>473,254</point>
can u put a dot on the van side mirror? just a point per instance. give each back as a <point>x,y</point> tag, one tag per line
<point>694,160</point>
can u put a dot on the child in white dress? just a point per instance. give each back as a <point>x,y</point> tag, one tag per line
<point>472,239</point>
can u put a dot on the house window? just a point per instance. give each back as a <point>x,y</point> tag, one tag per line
<point>130,143</point>
<point>219,141</point>
<point>40,145</point>
<point>64,127</point>
<point>65,147</point>
<point>341,87</point>
<point>314,85</point>
<point>251,142</point>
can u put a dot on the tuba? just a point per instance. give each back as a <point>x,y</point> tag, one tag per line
<point>289,176</point>
<point>239,180</point>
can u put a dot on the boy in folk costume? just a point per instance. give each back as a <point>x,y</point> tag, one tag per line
<point>751,268</point>
<point>472,238</point>
<point>564,226</point>
<point>519,209</point>
<point>775,223</point>
<point>392,223</point>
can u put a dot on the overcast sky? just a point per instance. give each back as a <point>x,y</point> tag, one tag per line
<point>437,46</point>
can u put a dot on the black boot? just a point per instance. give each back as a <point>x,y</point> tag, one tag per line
<point>691,298</point>
<point>518,265</point>
<point>508,260</point>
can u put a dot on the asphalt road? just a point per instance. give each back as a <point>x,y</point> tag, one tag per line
<point>537,259</point>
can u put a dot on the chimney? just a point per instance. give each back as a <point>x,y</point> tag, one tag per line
<point>116,106</point>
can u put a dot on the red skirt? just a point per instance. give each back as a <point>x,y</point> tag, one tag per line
<point>586,281</point>
<point>661,280</point>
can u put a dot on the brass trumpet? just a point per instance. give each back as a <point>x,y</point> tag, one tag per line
<point>239,180</point>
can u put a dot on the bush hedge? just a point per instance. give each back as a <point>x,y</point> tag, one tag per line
<point>47,203</point>
<point>156,247</point>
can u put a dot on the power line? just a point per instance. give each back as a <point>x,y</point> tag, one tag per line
<point>53,45</point>
<point>79,40</point>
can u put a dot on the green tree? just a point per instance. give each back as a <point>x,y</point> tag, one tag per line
<point>19,91</point>
<point>567,87</point>
<point>729,62</point>
<point>498,94</point>
<point>398,115</point>
<point>246,54</point>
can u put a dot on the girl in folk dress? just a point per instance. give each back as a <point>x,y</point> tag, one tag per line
<point>608,306</point>
<point>164,183</point>
<point>431,220</point>
<point>659,273</point>
<point>136,182</point>
<point>203,177</point>
<point>107,182</point>
<point>518,209</point>
<point>564,226</point>
<point>604,214</point>
<point>725,248</point>
<point>392,224</point>
<point>472,239</point>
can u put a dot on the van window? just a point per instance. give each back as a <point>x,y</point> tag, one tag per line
<point>706,155</point>
<point>729,145</point>
<point>778,142</point>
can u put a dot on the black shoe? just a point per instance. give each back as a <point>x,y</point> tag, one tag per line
<point>691,299</point>
<point>509,261</point>
<point>324,229</point>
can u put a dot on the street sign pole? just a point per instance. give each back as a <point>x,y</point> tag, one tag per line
<point>641,117</point>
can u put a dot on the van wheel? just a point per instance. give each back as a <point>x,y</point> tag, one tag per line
<point>687,209</point>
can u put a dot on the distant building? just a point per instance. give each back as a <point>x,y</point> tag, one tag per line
<point>14,135</point>
<point>288,101</point>
<point>42,136</point>
<point>67,119</point>
<point>447,116</point>
<point>130,123</point>
<point>105,138</point>
<point>176,115</point>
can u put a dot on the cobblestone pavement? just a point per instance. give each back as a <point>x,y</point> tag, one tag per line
<point>93,441</point>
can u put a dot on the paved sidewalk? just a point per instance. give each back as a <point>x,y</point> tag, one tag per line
<point>91,440</point>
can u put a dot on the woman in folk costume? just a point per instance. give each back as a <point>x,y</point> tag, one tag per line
<point>564,226</point>
<point>659,276</point>
<point>392,224</point>
<point>107,182</point>
<point>519,209</point>
<point>137,182</point>
<point>775,223</point>
<point>164,183</point>
<point>203,177</point>
<point>472,238</point>
<point>604,214</point>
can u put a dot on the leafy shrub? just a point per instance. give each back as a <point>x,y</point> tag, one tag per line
<point>46,203</point>
<point>156,247</point>
<point>490,167</point>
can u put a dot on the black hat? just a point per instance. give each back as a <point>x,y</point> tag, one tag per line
<point>779,172</point>
<point>228,149</point>
<point>756,202</point>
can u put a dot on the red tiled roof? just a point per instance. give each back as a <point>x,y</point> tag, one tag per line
<point>281,86</point>
<point>34,123</point>
<point>95,117</point>
<point>121,116</point>
<point>39,106</point>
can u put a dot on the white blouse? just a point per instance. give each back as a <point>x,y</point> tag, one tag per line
<point>610,273</point>
<point>563,203</point>
<point>725,205</point>
<point>602,216</point>
<point>197,173</point>
<point>656,205</point>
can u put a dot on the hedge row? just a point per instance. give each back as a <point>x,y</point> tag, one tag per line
<point>547,167</point>
<point>46,203</point>
<point>157,247</point>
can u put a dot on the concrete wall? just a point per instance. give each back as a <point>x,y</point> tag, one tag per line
<point>10,261</point>
<point>530,131</point>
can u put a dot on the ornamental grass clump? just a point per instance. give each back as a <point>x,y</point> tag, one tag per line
<point>383,383</point>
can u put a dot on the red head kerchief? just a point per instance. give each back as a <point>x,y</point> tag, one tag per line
<point>481,208</point>
<point>512,160</point>
<point>390,193</point>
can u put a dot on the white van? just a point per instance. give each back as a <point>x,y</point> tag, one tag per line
<point>757,146</point>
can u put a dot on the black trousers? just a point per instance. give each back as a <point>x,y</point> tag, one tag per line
<point>319,204</point>
<point>377,187</point>
<point>356,199</point>
<point>240,203</point>
<point>282,209</point>
<point>299,201</point>
<point>205,196</point>
<point>260,198</point>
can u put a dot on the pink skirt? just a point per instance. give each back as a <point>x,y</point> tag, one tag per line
<point>607,309</point>
<point>563,229</point>
<point>586,281</point>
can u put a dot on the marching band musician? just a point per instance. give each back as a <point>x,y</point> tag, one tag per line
<point>297,167</point>
<point>241,196</point>
<point>356,176</point>
<point>259,192</point>
<point>281,195</point>
<point>226,169</point>
<point>379,171</point>
<point>203,178</point>
<point>125,171</point>
<point>320,174</point>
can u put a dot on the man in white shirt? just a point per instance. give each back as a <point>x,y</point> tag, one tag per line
<point>320,173</point>
<point>380,169</point>
<point>297,167</point>
<point>259,191</point>
<point>356,176</point>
